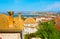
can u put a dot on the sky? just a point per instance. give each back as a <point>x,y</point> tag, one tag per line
<point>29,5</point>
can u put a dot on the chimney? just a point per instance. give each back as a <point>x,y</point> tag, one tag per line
<point>11,13</point>
<point>11,19</point>
<point>19,15</point>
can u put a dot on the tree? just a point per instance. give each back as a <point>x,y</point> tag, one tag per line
<point>47,30</point>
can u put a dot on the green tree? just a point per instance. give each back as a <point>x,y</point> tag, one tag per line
<point>47,30</point>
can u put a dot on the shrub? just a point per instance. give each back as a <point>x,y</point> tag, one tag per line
<point>47,30</point>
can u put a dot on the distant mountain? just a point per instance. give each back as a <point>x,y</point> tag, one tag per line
<point>29,12</point>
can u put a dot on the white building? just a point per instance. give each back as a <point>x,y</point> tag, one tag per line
<point>30,26</point>
<point>40,19</point>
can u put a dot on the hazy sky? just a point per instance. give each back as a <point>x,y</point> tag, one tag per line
<point>29,5</point>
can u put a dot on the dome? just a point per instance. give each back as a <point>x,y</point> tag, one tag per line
<point>19,24</point>
<point>30,21</point>
<point>7,21</point>
<point>4,23</point>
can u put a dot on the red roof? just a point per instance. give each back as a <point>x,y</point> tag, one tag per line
<point>57,21</point>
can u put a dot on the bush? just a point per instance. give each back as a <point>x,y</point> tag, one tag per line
<point>26,36</point>
<point>47,30</point>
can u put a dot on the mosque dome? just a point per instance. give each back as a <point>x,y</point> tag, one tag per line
<point>19,23</point>
<point>4,21</point>
<point>30,21</point>
<point>7,21</point>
